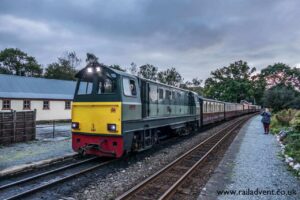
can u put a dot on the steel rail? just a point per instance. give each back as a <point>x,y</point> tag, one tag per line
<point>140,186</point>
<point>45,173</point>
<point>40,187</point>
<point>173,188</point>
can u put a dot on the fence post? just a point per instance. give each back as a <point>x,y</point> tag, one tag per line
<point>1,129</point>
<point>53,128</point>
<point>14,124</point>
<point>34,124</point>
<point>25,133</point>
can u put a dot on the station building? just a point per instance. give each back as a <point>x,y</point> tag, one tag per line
<point>51,98</point>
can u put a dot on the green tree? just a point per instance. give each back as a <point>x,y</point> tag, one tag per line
<point>194,85</point>
<point>72,59</point>
<point>259,86</point>
<point>280,73</point>
<point>148,72</point>
<point>281,97</point>
<point>117,67</point>
<point>170,77</point>
<point>91,59</point>
<point>17,62</point>
<point>133,68</point>
<point>4,70</point>
<point>232,83</point>
<point>64,69</point>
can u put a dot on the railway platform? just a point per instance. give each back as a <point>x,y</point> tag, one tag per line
<point>252,168</point>
<point>24,156</point>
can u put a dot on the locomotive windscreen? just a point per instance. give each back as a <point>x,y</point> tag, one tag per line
<point>94,82</point>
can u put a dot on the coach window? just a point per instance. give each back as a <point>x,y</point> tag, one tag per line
<point>129,87</point>
<point>26,105</point>
<point>6,104</point>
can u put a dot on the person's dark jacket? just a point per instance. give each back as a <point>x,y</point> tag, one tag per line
<point>266,117</point>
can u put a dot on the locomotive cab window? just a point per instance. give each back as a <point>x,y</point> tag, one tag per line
<point>129,87</point>
<point>104,83</point>
<point>85,87</point>
<point>105,86</point>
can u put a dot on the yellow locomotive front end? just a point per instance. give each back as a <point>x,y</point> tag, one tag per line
<point>98,117</point>
<point>97,113</point>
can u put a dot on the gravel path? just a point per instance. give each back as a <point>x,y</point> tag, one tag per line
<point>138,168</point>
<point>252,163</point>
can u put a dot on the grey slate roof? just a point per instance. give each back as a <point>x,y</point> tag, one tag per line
<point>12,86</point>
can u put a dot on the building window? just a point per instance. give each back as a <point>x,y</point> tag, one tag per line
<point>67,105</point>
<point>6,104</point>
<point>46,105</point>
<point>26,105</point>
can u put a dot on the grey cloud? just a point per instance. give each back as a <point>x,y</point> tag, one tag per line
<point>194,36</point>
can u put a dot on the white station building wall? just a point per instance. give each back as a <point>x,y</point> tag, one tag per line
<point>56,109</point>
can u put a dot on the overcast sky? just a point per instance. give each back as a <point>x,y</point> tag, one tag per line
<point>195,37</point>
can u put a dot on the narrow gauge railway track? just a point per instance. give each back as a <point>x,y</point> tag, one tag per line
<point>165,183</point>
<point>38,182</point>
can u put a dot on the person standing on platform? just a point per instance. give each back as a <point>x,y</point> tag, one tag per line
<point>266,120</point>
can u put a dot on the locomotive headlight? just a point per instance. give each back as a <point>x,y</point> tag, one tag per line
<point>112,127</point>
<point>89,70</point>
<point>98,69</point>
<point>75,125</point>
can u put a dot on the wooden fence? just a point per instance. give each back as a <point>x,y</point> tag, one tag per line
<point>17,126</point>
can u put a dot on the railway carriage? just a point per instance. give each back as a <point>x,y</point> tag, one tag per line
<point>230,110</point>
<point>240,109</point>
<point>114,112</point>
<point>246,107</point>
<point>213,111</point>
